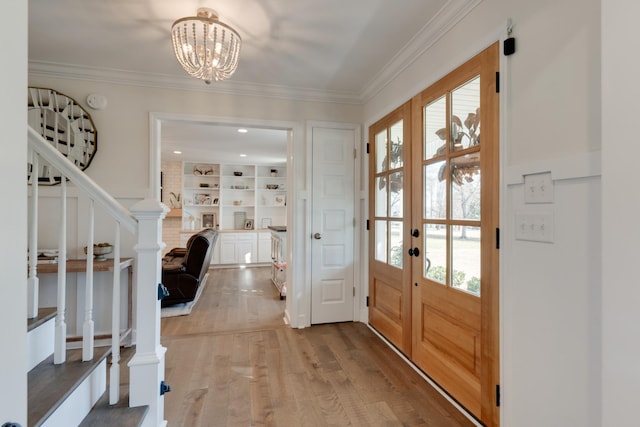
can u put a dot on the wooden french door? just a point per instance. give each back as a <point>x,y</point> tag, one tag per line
<point>449,242</point>
<point>389,202</point>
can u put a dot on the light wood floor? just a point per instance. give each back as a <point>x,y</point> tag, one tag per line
<point>233,362</point>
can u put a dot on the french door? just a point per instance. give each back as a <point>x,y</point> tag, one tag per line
<point>450,220</point>
<point>389,201</point>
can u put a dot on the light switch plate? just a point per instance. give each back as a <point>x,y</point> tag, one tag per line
<point>538,188</point>
<point>535,226</point>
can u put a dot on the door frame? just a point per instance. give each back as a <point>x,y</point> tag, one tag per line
<point>358,199</point>
<point>295,314</point>
<point>376,110</point>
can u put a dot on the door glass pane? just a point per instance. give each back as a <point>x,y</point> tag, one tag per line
<point>465,187</point>
<point>435,191</point>
<point>381,151</point>
<point>435,128</point>
<point>381,241</point>
<point>465,258</point>
<point>396,195</point>
<point>435,247</point>
<point>395,243</point>
<point>395,136</point>
<point>381,196</point>
<point>465,115</point>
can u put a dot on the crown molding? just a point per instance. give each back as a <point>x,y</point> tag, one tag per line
<point>443,21</point>
<point>446,18</point>
<point>163,81</point>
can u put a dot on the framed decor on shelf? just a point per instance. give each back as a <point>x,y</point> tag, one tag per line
<point>208,220</point>
<point>202,199</point>
<point>248,224</point>
<point>266,222</point>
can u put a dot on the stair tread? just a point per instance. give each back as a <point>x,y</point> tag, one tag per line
<point>50,384</point>
<point>44,314</point>
<point>120,414</point>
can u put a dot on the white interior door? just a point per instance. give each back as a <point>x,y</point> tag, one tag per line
<point>332,225</point>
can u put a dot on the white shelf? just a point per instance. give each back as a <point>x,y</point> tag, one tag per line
<point>257,202</point>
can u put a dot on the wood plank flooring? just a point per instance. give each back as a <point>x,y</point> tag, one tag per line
<point>233,362</point>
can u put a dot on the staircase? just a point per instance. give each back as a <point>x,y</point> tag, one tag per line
<point>81,387</point>
<point>62,394</point>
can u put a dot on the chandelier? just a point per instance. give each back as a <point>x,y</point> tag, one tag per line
<point>205,47</point>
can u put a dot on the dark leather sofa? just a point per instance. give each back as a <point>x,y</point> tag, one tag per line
<point>184,269</point>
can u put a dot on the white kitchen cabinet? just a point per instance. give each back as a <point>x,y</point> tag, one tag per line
<point>264,247</point>
<point>238,248</point>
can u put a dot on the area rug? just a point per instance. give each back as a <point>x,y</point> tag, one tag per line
<point>184,308</point>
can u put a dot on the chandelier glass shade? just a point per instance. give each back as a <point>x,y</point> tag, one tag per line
<point>205,47</point>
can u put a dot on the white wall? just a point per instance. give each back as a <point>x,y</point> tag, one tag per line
<point>621,200</point>
<point>121,164</point>
<point>13,285</point>
<point>550,293</point>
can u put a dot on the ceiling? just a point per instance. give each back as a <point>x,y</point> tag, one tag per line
<point>337,50</point>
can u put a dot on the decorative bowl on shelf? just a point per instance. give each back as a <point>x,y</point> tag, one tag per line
<point>236,173</point>
<point>237,202</point>
<point>100,251</point>
<point>272,186</point>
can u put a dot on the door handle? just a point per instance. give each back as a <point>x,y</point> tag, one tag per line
<point>414,252</point>
<point>415,232</point>
<point>317,236</point>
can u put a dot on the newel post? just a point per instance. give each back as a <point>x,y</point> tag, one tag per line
<point>146,368</point>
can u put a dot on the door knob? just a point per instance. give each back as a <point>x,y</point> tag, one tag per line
<point>414,252</point>
<point>415,232</point>
<point>317,236</point>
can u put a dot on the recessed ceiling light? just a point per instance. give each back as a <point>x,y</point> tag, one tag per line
<point>243,155</point>
<point>177,152</point>
<point>243,130</point>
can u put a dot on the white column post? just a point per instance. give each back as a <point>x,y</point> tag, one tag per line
<point>147,365</point>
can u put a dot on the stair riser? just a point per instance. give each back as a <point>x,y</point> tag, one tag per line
<point>40,342</point>
<point>78,404</point>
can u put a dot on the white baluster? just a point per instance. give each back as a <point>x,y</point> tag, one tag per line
<point>33,281</point>
<point>114,384</point>
<point>60,348</point>
<point>88,326</point>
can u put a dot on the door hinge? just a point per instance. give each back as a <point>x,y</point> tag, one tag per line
<point>498,395</point>
<point>367,148</point>
<point>367,224</point>
<point>497,238</point>
<point>367,301</point>
<point>354,291</point>
<point>355,156</point>
<point>497,81</point>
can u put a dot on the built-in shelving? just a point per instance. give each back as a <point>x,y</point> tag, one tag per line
<point>241,201</point>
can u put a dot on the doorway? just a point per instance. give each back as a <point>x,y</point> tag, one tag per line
<point>333,225</point>
<point>434,199</point>
<point>291,132</point>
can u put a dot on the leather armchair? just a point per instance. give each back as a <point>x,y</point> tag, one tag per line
<point>184,269</point>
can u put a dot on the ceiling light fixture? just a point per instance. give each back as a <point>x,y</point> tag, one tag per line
<point>243,155</point>
<point>205,47</point>
<point>177,152</point>
<point>243,130</point>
